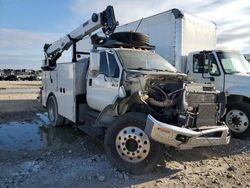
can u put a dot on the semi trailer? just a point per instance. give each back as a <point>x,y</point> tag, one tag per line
<point>189,43</point>
<point>132,98</point>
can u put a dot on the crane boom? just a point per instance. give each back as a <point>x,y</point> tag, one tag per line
<point>105,20</point>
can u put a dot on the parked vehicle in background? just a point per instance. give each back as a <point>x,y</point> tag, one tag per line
<point>188,43</point>
<point>22,75</point>
<point>10,78</point>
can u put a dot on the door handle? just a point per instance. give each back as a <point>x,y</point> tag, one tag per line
<point>114,84</point>
<point>90,82</point>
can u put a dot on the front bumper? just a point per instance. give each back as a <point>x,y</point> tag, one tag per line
<point>183,138</point>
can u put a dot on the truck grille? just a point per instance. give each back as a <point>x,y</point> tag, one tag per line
<point>194,99</point>
<point>204,99</point>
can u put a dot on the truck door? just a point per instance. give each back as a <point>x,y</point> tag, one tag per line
<point>103,89</point>
<point>206,69</point>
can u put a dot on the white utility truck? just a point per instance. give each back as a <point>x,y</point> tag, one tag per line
<point>188,43</point>
<point>134,98</point>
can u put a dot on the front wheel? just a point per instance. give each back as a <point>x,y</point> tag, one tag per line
<point>128,147</point>
<point>237,119</point>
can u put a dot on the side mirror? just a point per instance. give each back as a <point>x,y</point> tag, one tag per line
<point>94,64</point>
<point>122,92</point>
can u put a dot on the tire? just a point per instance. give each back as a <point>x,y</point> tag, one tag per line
<point>141,154</point>
<point>132,38</point>
<point>237,119</point>
<point>55,119</point>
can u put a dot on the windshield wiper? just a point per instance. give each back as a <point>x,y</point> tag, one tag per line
<point>140,68</point>
<point>152,69</point>
<point>155,69</point>
<point>164,70</point>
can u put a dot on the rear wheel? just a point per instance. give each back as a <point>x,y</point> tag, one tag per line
<point>128,147</point>
<point>52,108</point>
<point>237,119</point>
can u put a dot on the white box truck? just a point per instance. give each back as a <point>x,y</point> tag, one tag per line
<point>189,43</point>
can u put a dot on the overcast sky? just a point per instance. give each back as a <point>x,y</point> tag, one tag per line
<point>25,25</point>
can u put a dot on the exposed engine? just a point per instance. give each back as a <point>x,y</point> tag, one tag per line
<point>189,105</point>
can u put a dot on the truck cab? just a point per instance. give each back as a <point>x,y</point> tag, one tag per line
<point>229,72</point>
<point>108,68</point>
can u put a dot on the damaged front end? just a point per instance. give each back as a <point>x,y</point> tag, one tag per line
<point>185,115</point>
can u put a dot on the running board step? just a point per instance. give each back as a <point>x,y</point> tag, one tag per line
<point>92,131</point>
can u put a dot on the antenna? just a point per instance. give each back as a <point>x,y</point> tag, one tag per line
<point>139,24</point>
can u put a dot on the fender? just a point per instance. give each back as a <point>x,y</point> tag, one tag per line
<point>242,90</point>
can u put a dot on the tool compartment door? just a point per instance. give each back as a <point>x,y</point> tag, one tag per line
<point>66,90</point>
<point>49,84</point>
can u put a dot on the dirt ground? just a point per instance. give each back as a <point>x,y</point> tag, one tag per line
<point>20,84</point>
<point>17,90</point>
<point>34,154</point>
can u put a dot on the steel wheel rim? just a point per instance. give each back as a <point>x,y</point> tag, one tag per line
<point>132,144</point>
<point>237,121</point>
